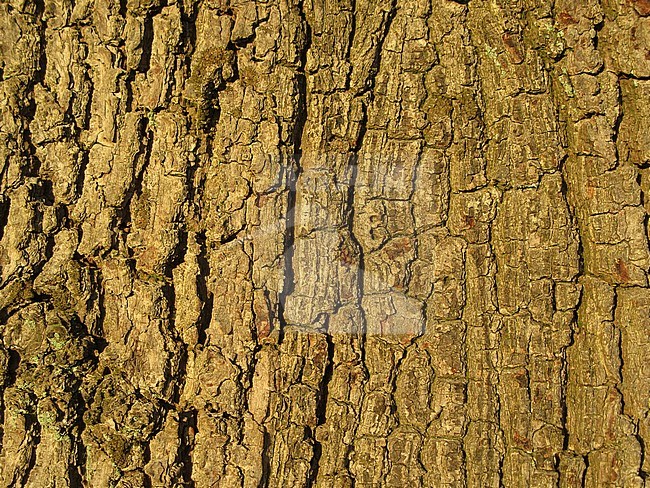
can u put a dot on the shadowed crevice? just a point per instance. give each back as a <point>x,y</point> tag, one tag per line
<point>321,413</point>
<point>292,172</point>
<point>187,429</point>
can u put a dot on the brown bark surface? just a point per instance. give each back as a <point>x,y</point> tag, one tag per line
<point>319,243</point>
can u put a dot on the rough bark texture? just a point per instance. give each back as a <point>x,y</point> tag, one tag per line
<point>352,243</point>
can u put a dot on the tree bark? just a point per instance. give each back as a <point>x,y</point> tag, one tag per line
<point>287,243</point>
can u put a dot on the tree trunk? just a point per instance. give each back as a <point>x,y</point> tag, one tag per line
<point>360,243</point>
